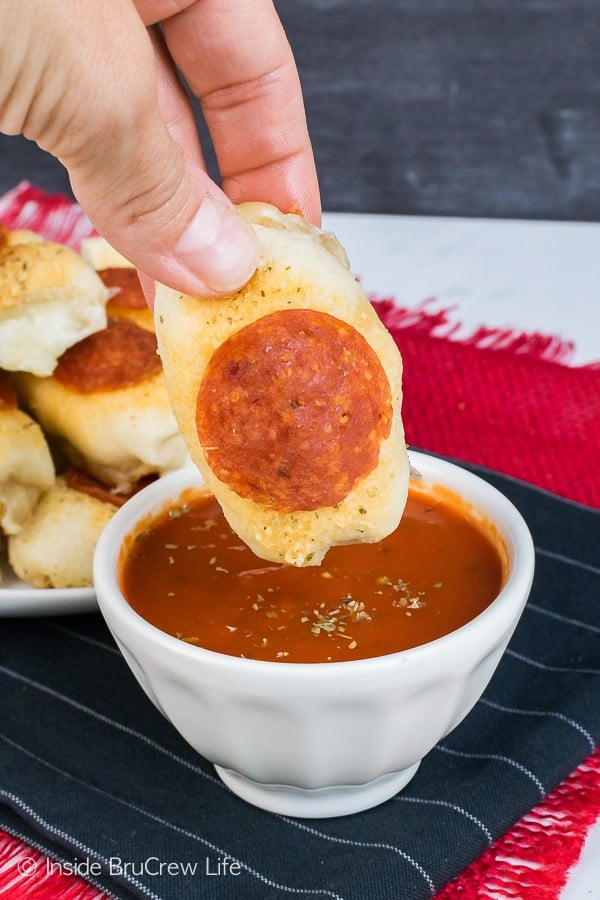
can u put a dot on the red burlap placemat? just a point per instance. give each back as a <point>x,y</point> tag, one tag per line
<point>509,401</point>
<point>503,399</point>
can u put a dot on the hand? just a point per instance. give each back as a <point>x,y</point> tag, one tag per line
<point>96,85</point>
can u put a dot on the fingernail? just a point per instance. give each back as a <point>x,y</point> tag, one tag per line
<point>219,247</point>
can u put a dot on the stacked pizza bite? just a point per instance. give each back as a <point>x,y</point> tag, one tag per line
<point>84,414</point>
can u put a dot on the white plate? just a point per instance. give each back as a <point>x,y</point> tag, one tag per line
<point>20,599</point>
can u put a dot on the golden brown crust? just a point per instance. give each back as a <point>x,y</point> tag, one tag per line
<point>10,238</point>
<point>27,269</point>
<point>49,299</point>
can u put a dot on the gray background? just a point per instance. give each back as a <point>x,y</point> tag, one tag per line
<point>445,107</point>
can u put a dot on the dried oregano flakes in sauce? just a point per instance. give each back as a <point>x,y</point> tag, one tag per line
<point>192,577</point>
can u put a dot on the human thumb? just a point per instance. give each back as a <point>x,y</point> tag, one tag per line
<point>89,97</point>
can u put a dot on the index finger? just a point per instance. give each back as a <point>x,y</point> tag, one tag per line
<point>237,60</point>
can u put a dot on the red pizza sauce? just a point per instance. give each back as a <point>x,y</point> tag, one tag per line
<point>120,355</point>
<point>292,410</point>
<point>188,574</point>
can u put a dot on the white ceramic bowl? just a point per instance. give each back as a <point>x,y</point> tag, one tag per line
<point>318,739</point>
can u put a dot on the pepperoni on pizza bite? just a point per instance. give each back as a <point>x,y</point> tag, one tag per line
<point>107,406</point>
<point>120,355</point>
<point>292,409</point>
<point>288,395</point>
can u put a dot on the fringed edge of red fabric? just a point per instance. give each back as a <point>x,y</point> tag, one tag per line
<point>27,874</point>
<point>533,860</point>
<point>58,217</point>
<point>54,216</point>
<point>439,323</point>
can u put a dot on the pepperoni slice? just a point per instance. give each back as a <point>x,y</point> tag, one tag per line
<point>117,357</point>
<point>292,410</point>
<point>127,283</point>
<point>8,397</point>
<point>86,484</point>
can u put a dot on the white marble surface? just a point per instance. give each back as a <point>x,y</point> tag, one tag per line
<point>530,276</point>
<point>584,880</point>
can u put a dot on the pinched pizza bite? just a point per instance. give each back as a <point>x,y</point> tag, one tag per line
<point>107,406</point>
<point>288,394</point>
<point>50,298</point>
<point>26,467</point>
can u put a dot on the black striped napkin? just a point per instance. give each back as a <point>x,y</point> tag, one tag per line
<point>92,774</point>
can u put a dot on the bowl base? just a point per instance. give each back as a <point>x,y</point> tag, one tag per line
<point>317,803</point>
